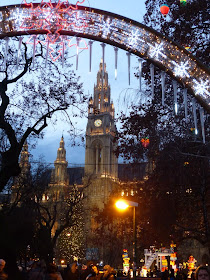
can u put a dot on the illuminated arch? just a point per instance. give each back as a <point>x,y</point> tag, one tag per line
<point>118,31</point>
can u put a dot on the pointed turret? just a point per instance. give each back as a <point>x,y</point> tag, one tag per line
<point>24,176</point>
<point>24,160</point>
<point>60,175</point>
<point>101,102</point>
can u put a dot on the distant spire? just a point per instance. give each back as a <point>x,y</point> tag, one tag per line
<point>24,159</point>
<point>61,164</point>
<point>61,153</point>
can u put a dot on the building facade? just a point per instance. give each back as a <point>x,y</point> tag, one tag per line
<point>101,164</point>
<point>101,130</point>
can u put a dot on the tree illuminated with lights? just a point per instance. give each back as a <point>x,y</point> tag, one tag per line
<point>70,244</point>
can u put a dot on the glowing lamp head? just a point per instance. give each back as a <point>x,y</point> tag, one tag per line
<point>122,205</point>
<point>164,9</point>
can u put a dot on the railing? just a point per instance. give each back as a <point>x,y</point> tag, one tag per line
<point>161,250</point>
<point>150,260</point>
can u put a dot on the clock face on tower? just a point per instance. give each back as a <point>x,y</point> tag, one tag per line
<point>97,122</point>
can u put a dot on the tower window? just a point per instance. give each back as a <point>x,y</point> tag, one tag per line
<point>105,98</point>
<point>99,159</point>
<point>99,101</point>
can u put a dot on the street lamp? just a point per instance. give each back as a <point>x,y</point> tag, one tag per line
<point>123,204</point>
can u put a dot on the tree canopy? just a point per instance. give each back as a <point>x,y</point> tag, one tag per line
<point>177,189</point>
<point>38,92</point>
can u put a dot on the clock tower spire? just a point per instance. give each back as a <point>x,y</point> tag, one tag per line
<point>101,166</point>
<point>101,129</point>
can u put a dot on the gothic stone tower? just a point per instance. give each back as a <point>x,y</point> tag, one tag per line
<point>101,165</point>
<point>100,159</point>
<point>24,176</point>
<point>59,176</point>
<point>101,130</point>
<point>59,184</point>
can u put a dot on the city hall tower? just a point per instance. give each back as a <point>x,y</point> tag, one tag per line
<point>101,130</point>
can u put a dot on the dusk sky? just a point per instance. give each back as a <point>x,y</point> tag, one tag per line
<point>119,88</point>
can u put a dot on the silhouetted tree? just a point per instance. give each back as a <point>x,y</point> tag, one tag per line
<point>30,225</point>
<point>25,110</point>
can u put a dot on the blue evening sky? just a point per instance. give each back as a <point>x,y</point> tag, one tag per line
<point>120,90</point>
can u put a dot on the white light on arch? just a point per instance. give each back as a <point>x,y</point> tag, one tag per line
<point>156,51</point>
<point>106,27</point>
<point>134,38</point>
<point>201,88</point>
<point>181,70</point>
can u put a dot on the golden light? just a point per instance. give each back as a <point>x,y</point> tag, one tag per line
<point>121,204</point>
<point>62,261</point>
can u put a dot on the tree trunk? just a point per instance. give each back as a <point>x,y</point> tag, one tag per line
<point>10,166</point>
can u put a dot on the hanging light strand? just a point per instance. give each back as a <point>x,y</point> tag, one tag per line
<point>185,103</point>
<point>19,49</point>
<point>195,115</point>
<point>163,76</point>
<point>152,79</point>
<point>77,56</point>
<point>47,52</point>
<point>140,71</point>
<point>116,56</point>
<point>34,49</point>
<point>6,51</point>
<point>175,97</point>
<point>202,124</point>
<point>63,50</point>
<point>90,54</point>
<point>129,67</point>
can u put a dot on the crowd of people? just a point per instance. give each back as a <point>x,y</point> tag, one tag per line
<point>40,271</point>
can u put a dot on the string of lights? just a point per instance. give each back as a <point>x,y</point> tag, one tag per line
<point>60,20</point>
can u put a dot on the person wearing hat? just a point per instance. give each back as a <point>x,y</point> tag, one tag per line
<point>87,272</point>
<point>109,273</point>
<point>3,275</point>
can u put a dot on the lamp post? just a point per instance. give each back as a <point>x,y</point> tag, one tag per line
<point>123,204</point>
